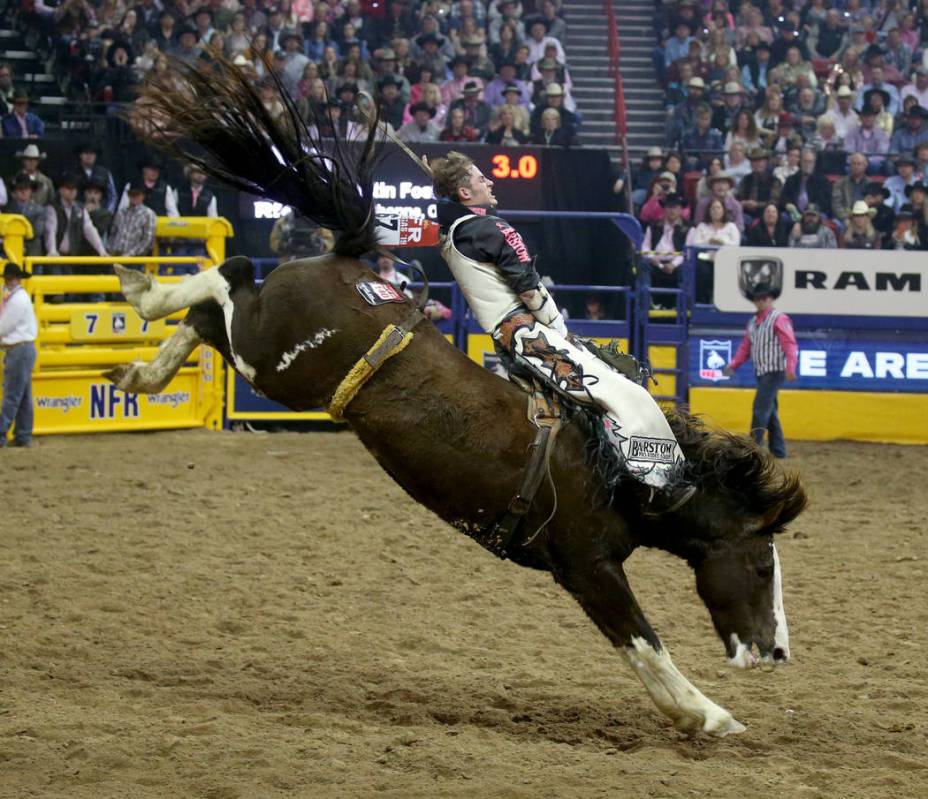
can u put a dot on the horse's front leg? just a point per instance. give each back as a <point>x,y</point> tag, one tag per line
<point>604,593</point>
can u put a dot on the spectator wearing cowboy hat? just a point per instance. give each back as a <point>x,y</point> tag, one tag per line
<point>477,113</point>
<point>905,140</point>
<point>187,46</point>
<point>133,231</point>
<point>21,123</point>
<point>159,196</point>
<point>758,187</point>
<point>538,41</point>
<point>884,217</point>
<point>868,139</point>
<point>22,203</point>
<point>453,88</point>
<point>69,229</point>
<point>661,185</point>
<point>664,241</point>
<point>877,82</point>
<point>721,187</point>
<point>683,116</point>
<point>295,60</point>
<point>87,153</point>
<point>723,119</point>
<point>480,66</point>
<point>421,129</point>
<point>429,53</point>
<point>554,98</point>
<point>507,12</point>
<point>390,100</point>
<point>18,331</point>
<point>907,234</point>
<point>512,99</point>
<point>117,83</point>
<point>506,81</point>
<point>843,114</point>
<point>860,233</point>
<point>43,190</point>
<point>896,184</point>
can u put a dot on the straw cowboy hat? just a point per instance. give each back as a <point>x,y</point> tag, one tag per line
<point>31,151</point>
<point>860,208</point>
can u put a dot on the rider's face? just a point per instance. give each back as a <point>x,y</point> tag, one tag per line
<point>478,190</point>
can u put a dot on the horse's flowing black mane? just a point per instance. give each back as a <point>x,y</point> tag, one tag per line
<point>716,461</point>
<point>215,120</point>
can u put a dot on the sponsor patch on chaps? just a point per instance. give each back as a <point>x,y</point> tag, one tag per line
<point>379,293</point>
<point>656,450</point>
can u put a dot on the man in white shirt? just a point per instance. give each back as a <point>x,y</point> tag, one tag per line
<point>843,115</point>
<point>18,331</point>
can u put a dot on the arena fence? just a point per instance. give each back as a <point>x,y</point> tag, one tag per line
<point>863,336</point>
<point>85,328</point>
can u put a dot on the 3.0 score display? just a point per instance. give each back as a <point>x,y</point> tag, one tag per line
<point>506,168</point>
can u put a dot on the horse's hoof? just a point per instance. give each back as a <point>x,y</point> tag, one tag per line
<point>131,281</point>
<point>722,727</point>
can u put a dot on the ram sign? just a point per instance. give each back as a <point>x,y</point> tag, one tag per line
<point>829,282</point>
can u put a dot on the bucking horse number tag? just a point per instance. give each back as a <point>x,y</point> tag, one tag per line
<point>379,293</point>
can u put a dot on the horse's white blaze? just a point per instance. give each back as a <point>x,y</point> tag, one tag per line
<point>151,378</point>
<point>743,658</point>
<point>676,696</point>
<point>781,633</point>
<point>309,344</point>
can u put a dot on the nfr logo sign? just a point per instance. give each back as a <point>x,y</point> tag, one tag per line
<point>713,355</point>
<point>109,402</point>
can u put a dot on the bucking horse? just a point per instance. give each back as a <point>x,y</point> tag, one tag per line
<point>451,433</point>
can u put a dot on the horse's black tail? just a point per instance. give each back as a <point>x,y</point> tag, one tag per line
<point>216,120</point>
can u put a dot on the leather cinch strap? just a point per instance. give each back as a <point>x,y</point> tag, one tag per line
<point>393,340</point>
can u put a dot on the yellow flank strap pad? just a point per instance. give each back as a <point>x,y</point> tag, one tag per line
<point>362,371</point>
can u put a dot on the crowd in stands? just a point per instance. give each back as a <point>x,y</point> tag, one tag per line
<point>468,70</point>
<point>82,212</point>
<point>789,123</point>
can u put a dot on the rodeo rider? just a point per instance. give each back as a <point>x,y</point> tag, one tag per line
<point>497,275</point>
<point>18,331</point>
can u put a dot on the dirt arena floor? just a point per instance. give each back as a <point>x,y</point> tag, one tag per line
<point>227,615</point>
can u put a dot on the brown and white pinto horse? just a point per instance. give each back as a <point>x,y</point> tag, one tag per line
<point>453,435</point>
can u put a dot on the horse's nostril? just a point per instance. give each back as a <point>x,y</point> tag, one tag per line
<point>779,654</point>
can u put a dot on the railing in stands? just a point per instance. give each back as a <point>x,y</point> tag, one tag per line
<point>614,50</point>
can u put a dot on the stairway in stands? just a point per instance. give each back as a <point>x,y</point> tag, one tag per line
<point>587,38</point>
<point>32,73</point>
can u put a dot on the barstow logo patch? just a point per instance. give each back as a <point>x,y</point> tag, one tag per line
<point>655,450</point>
<point>379,293</point>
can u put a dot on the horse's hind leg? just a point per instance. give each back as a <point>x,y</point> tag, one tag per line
<point>604,593</point>
<point>150,378</point>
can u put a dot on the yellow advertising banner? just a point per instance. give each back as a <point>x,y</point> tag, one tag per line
<point>89,403</point>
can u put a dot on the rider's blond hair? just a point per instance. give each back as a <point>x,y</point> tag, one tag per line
<point>450,173</point>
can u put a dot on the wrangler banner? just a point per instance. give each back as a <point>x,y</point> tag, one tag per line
<point>831,282</point>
